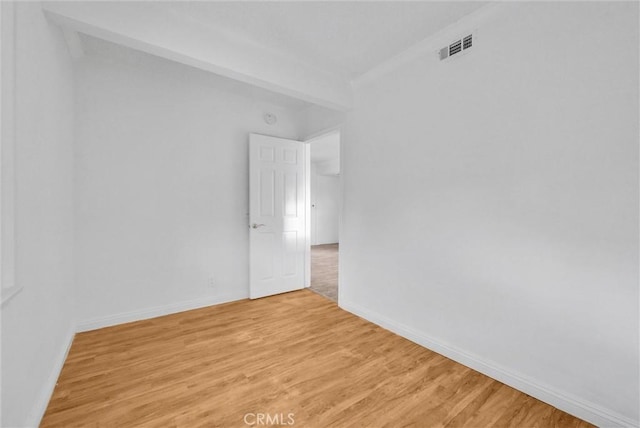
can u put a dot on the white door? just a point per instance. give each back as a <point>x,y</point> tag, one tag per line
<point>276,215</point>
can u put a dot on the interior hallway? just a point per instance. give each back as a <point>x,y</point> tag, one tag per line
<point>291,353</point>
<point>324,270</point>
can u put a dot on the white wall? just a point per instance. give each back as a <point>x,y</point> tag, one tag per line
<point>325,200</point>
<point>162,187</point>
<point>493,200</point>
<point>37,323</point>
<point>316,119</point>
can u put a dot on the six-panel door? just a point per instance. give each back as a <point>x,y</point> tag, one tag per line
<point>276,215</point>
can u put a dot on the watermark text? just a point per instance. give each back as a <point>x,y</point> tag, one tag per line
<point>269,419</point>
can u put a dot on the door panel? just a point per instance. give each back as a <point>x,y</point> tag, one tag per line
<point>277,212</point>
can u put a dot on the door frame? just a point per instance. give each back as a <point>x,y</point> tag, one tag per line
<point>308,141</point>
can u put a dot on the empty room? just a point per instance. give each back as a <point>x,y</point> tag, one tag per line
<point>320,214</point>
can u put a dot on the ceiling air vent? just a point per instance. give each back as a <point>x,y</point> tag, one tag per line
<point>456,47</point>
<point>467,42</point>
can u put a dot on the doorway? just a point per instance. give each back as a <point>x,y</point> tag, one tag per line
<point>325,198</point>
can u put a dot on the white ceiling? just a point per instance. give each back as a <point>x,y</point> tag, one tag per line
<point>326,148</point>
<point>293,54</point>
<point>348,38</point>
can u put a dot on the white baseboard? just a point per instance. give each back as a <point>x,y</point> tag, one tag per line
<point>158,311</point>
<point>47,389</point>
<point>569,403</point>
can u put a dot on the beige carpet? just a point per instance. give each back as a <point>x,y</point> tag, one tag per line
<point>324,270</point>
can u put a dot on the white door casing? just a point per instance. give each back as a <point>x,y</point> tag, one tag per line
<point>277,215</point>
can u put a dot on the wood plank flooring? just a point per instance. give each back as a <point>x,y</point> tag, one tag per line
<point>292,353</point>
<point>324,270</point>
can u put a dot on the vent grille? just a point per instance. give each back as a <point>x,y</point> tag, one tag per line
<point>456,47</point>
<point>467,42</point>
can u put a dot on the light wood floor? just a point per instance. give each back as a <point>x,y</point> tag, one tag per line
<point>292,353</point>
<point>324,270</point>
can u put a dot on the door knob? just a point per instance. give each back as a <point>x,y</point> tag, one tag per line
<point>255,226</point>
